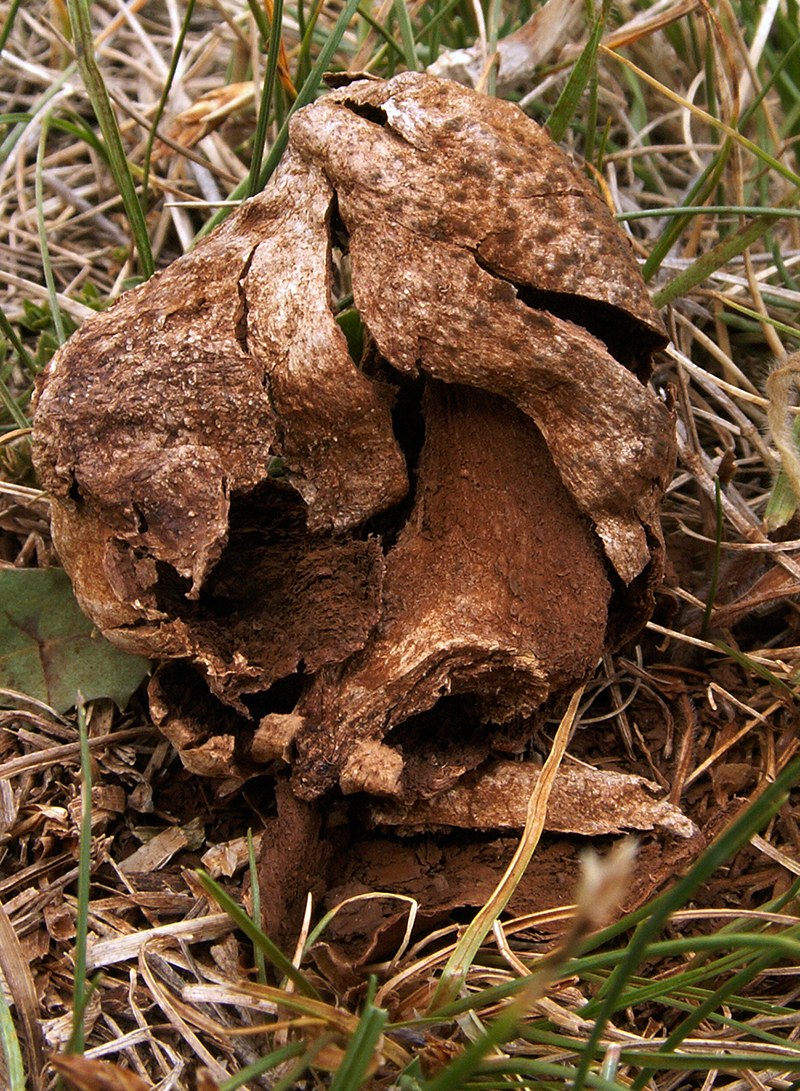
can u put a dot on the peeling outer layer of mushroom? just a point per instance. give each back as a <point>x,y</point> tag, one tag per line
<point>372,571</point>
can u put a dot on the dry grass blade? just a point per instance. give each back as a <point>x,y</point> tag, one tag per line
<point>18,978</point>
<point>455,971</point>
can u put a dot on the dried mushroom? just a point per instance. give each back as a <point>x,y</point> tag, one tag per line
<point>381,567</point>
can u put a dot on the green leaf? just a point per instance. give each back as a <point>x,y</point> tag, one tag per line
<point>50,651</point>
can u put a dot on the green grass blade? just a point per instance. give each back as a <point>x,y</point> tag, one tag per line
<point>267,94</point>
<point>15,1070</point>
<point>263,1064</point>
<point>718,256</point>
<point>47,265</point>
<point>308,92</point>
<point>80,994</point>
<point>699,193</point>
<point>712,1004</point>
<point>8,23</point>
<point>101,104</point>
<point>162,102</point>
<point>406,35</point>
<point>10,334</point>
<point>355,1065</point>
<point>254,933</point>
<point>255,894</point>
<point>579,78</point>
<point>12,139</point>
<point>13,408</point>
<point>758,668</point>
<point>382,31</point>
<point>730,841</point>
<point>501,1030</point>
<point>305,95</point>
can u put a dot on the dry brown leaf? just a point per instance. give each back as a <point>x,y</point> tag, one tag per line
<point>83,1074</point>
<point>463,520</point>
<point>159,850</point>
<point>206,114</point>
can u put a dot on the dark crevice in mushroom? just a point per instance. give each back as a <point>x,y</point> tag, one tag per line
<point>628,341</point>
<point>281,697</point>
<point>141,519</point>
<point>448,738</point>
<point>181,687</point>
<point>266,520</point>
<point>624,338</point>
<point>240,317</point>
<point>339,235</point>
<point>408,424</point>
<point>368,111</point>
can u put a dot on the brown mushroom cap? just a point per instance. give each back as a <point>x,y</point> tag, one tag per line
<point>425,542</point>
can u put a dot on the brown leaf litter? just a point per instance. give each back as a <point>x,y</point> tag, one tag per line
<point>374,576</point>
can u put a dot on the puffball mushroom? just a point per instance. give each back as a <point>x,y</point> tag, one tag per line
<point>380,568</point>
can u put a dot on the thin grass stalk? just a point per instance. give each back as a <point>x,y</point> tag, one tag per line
<point>83,42</point>
<point>714,210</point>
<point>47,265</point>
<point>699,193</point>
<point>308,91</point>
<point>292,1077</point>
<point>731,840</point>
<point>15,1070</point>
<point>267,95</point>
<point>750,664</point>
<point>435,20</point>
<point>538,1071</point>
<point>304,56</point>
<point>586,964</point>
<point>715,122</point>
<point>720,255</point>
<point>12,406</point>
<point>579,78</point>
<point>690,1061</point>
<point>712,591</point>
<point>255,894</point>
<point>492,34</point>
<point>8,22</point>
<point>455,972</point>
<point>254,933</point>
<point>162,102</point>
<point>80,994</point>
<point>18,131</point>
<point>384,33</point>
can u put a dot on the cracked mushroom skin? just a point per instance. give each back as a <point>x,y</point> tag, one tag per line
<point>421,546</point>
